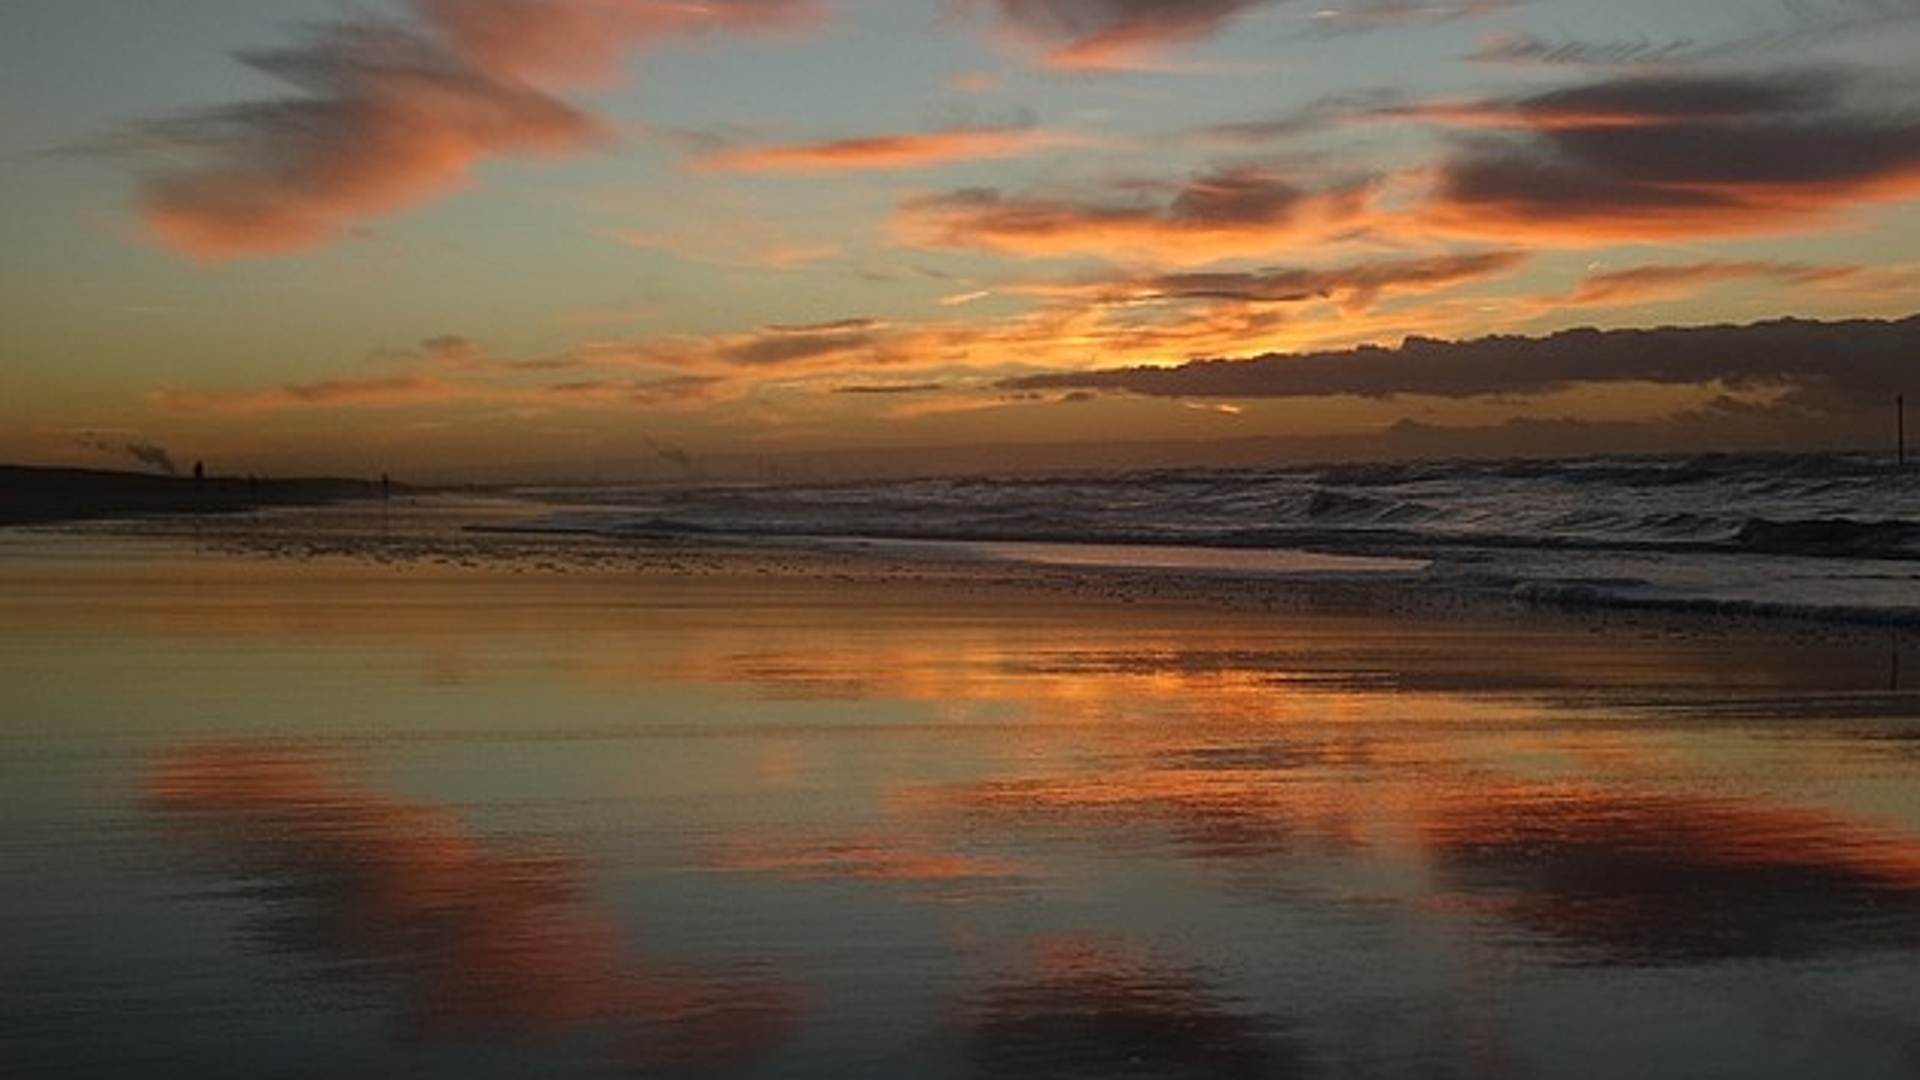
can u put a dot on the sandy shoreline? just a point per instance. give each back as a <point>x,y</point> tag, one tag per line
<point>1377,621</point>
<point>409,535</point>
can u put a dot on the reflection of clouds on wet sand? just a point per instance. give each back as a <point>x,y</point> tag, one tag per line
<point>1079,1010</point>
<point>1275,795</point>
<point>477,937</point>
<point>1654,878</point>
<point>943,874</point>
<point>1622,874</point>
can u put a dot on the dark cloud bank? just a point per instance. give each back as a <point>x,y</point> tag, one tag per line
<point>1685,154</point>
<point>1822,365</point>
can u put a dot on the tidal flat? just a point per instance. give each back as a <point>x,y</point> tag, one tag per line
<point>302,796</point>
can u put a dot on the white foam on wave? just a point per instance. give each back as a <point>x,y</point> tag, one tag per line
<point>1199,560</point>
<point>1856,590</point>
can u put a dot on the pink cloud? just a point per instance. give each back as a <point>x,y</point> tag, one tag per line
<point>1108,34</point>
<point>571,40</point>
<point>390,113</point>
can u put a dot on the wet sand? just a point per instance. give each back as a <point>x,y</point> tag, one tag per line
<point>362,791</point>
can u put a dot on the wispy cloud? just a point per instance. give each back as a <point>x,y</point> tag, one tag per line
<point>1354,285</point>
<point>388,113</point>
<point>786,346</point>
<point>392,391</point>
<point>1796,27</point>
<point>1638,284</point>
<point>881,152</point>
<point>652,393</point>
<point>1522,48</point>
<point>1110,34</point>
<point>1245,211</point>
<point>1357,16</point>
<point>566,41</point>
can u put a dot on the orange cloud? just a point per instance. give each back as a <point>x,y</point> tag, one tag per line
<point>390,119</point>
<point>389,114</point>
<point>1239,212</point>
<point>411,391</point>
<point>778,347</point>
<point>886,151</point>
<point>1123,317</point>
<point>653,393</point>
<point>1641,283</point>
<point>1112,34</point>
<point>569,40</point>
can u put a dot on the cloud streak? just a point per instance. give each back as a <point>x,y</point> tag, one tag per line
<point>884,152</point>
<point>1354,286</point>
<point>1222,214</point>
<point>396,391</point>
<point>389,113</point>
<point>1360,16</point>
<point>570,40</point>
<point>1641,283</point>
<point>1092,35</point>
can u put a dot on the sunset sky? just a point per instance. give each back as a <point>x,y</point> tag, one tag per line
<point>596,238</point>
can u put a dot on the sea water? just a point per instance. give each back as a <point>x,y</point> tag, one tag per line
<point>1829,535</point>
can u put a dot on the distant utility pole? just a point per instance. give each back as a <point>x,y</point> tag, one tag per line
<point>1900,424</point>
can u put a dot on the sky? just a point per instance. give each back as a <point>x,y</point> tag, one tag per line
<point>609,239</point>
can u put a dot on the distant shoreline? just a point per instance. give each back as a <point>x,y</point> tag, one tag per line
<point>40,494</point>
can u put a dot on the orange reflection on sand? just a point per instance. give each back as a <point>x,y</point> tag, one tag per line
<point>1654,877</point>
<point>1226,812</point>
<point>478,937</point>
<point>876,858</point>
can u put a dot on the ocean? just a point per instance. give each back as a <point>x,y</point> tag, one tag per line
<point>1833,536</point>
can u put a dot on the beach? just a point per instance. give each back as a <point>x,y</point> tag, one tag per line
<point>401,788</point>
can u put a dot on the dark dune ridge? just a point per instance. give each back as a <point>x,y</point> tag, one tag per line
<point>34,494</point>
